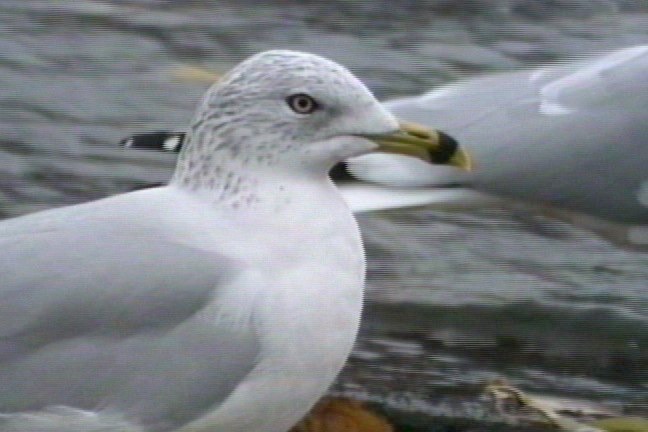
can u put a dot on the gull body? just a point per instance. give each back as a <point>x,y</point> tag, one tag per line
<point>191,334</point>
<point>571,134</point>
<point>227,300</point>
<point>570,138</point>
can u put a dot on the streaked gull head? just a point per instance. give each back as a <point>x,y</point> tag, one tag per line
<point>282,108</point>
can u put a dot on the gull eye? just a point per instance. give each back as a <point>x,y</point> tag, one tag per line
<point>302,103</point>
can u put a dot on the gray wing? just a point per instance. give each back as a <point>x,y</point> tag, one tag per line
<point>572,136</point>
<point>96,312</point>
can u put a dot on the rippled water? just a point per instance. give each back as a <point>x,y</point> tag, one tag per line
<point>454,299</point>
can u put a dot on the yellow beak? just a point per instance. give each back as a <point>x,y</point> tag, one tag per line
<point>424,143</point>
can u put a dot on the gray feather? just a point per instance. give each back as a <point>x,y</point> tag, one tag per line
<point>124,342</point>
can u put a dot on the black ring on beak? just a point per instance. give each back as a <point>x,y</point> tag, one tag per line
<point>447,148</point>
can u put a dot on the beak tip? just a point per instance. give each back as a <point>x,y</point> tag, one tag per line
<point>463,160</point>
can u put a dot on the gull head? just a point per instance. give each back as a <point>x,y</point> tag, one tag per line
<point>298,112</point>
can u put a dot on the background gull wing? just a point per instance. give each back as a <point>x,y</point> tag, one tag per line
<point>102,306</point>
<point>572,136</point>
<point>570,139</point>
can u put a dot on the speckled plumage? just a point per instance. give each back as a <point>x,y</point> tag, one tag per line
<point>243,119</point>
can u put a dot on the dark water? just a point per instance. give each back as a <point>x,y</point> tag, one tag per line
<point>454,300</point>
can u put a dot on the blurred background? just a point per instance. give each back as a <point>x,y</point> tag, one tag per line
<point>455,300</point>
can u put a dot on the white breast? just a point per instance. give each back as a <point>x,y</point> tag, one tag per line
<point>305,291</point>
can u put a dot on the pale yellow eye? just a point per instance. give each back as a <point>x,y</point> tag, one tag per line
<point>302,103</point>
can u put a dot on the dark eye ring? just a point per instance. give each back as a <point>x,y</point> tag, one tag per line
<point>302,103</point>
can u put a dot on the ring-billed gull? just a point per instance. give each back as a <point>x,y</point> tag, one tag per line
<point>225,301</point>
<point>569,138</point>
